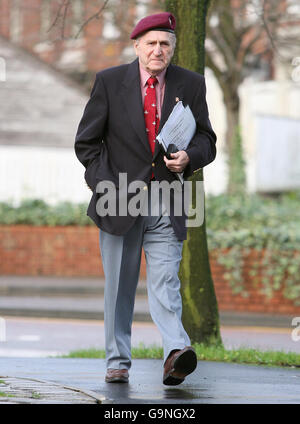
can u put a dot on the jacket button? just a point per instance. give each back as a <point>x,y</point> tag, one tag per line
<point>145,188</point>
<point>153,164</point>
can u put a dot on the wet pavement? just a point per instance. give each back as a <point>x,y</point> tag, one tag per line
<point>211,383</point>
<point>29,346</point>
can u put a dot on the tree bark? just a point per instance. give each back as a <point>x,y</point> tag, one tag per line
<point>200,310</point>
<point>235,159</point>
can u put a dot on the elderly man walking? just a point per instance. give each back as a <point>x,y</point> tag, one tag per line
<point>129,104</point>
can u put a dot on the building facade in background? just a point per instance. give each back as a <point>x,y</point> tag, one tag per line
<point>75,36</point>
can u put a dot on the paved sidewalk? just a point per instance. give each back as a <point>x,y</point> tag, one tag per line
<point>24,390</point>
<point>57,380</point>
<point>211,383</point>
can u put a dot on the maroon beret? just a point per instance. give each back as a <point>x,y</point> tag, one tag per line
<point>164,21</point>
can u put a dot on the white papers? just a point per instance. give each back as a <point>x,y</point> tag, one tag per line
<point>179,128</point>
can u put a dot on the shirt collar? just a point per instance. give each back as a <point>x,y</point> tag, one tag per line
<point>145,76</point>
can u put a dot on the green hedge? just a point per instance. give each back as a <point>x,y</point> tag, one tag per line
<point>254,221</point>
<point>223,212</point>
<point>37,212</point>
<point>268,224</point>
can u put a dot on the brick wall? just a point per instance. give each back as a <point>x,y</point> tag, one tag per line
<point>31,24</point>
<point>74,251</point>
<point>5,18</point>
<point>64,251</point>
<point>255,301</point>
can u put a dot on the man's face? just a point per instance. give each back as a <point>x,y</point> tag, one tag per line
<point>154,50</point>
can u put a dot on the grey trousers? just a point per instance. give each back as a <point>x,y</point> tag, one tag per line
<point>121,257</point>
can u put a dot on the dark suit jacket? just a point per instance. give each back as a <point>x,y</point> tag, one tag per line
<point>112,138</point>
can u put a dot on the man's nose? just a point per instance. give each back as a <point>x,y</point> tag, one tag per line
<point>157,49</point>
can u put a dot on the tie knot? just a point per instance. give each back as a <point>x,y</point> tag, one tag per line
<point>152,81</point>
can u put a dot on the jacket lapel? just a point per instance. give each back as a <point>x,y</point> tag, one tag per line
<point>132,98</point>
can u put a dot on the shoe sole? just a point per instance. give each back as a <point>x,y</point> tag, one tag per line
<point>185,364</point>
<point>117,380</point>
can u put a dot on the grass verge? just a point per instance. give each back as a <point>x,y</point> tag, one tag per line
<point>242,355</point>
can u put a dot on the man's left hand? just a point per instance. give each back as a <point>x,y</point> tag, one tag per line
<point>178,162</point>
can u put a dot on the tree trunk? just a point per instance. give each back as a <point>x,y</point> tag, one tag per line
<point>200,311</point>
<point>236,165</point>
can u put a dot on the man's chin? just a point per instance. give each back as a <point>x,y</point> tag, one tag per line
<point>157,68</point>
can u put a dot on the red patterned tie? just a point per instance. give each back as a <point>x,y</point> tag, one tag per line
<point>150,112</point>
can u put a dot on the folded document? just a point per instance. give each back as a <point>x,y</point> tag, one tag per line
<point>179,129</point>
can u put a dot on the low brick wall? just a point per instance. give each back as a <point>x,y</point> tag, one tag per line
<point>256,301</point>
<point>58,251</point>
<point>74,251</point>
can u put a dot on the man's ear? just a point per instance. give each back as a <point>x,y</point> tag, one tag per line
<point>135,45</point>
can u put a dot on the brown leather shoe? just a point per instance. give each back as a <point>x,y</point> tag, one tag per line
<point>178,365</point>
<point>116,376</point>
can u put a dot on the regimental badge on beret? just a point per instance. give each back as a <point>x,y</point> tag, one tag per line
<point>164,21</point>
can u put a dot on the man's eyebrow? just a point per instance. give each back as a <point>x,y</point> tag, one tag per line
<point>160,41</point>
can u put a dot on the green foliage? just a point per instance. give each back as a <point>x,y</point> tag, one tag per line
<point>208,352</point>
<point>37,212</point>
<point>254,218</point>
<point>86,353</point>
<point>245,355</point>
<point>142,351</point>
<point>236,224</point>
